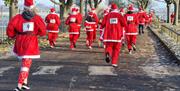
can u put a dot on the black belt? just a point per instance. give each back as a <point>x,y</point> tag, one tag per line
<point>26,33</point>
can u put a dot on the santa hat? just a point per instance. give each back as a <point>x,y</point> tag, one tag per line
<point>29,4</point>
<point>74,11</point>
<point>52,9</point>
<point>114,6</point>
<point>130,8</point>
<point>121,9</point>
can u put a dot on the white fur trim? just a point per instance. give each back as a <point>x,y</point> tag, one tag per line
<point>26,69</point>
<point>90,30</point>
<point>73,32</point>
<point>29,7</point>
<point>131,33</point>
<point>51,31</point>
<point>27,56</point>
<point>115,10</point>
<point>108,40</point>
<point>90,22</point>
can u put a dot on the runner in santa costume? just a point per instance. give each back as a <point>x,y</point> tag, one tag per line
<point>89,28</point>
<point>131,28</point>
<point>101,30</point>
<point>150,17</point>
<point>95,25</point>
<point>113,33</point>
<point>80,19</point>
<point>53,23</point>
<point>73,21</point>
<point>25,29</point>
<point>122,12</point>
<point>142,18</point>
<point>172,17</point>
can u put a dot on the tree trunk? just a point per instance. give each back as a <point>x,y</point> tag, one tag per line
<point>81,6</point>
<point>13,9</point>
<point>176,13</point>
<point>168,13</point>
<point>178,9</point>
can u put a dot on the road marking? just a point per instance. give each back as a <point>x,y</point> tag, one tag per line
<point>2,70</point>
<point>101,70</point>
<point>45,70</point>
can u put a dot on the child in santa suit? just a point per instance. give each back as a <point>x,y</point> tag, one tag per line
<point>122,12</point>
<point>101,30</point>
<point>131,28</point>
<point>89,28</point>
<point>113,23</point>
<point>73,21</point>
<point>53,23</point>
<point>25,29</point>
<point>142,19</point>
<point>95,17</point>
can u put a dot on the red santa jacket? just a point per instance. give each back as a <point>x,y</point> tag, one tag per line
<point>91,20</point>
<point>25,33</point>
<point>113,23</point>
<point>73,21</point>
<point>142,17</point>
<point>80,18</point>
<point>53,22</point>
<point>132,22</point>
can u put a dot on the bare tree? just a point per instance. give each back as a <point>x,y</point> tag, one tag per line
<point>13,8</point>
<point>63,5</point>
<point>94,3</point>
<point>143,3</point>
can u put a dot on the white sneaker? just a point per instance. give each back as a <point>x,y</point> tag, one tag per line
<point>25,87</point>
<point>90,47</point>
<point>130,51</point>
<point>17,89</point>
<point>114,65</point>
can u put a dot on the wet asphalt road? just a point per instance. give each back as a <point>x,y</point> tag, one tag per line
<point>150,68</point>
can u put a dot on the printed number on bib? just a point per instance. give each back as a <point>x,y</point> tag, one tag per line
<point>130,18</point>
<point>29,26</point>
<point>113,21</point>
<point>52,21</point>
<point>73,19</point>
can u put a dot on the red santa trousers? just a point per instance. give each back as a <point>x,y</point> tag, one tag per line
<point>94,33</point>
<point>52,37</point>
<point>131,39</point>
<point>90,36</point>
<point>24,73</point>
<point>73,39</point>
<point>113,48</point>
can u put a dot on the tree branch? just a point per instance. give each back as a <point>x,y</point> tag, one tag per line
<point>57,3</point>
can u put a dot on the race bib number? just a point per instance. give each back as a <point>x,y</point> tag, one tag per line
<point>113,20</point>
<point>73,19</point>
<point>29,26</point>
<point>130,18</point>
<point>52,21</point>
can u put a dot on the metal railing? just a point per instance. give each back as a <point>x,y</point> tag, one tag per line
<point>170,31</point>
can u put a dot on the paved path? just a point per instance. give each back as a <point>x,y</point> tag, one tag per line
<point>151,68</point>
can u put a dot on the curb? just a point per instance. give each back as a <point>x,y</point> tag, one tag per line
<point>173,52</point>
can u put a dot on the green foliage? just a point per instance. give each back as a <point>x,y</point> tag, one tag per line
<point>7,2</point>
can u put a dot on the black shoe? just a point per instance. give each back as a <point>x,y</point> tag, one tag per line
<point>74,45</point>
<point>108,58</point>
<point>25,86</point>
<point>17,89</point>
<point>134,47</point>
